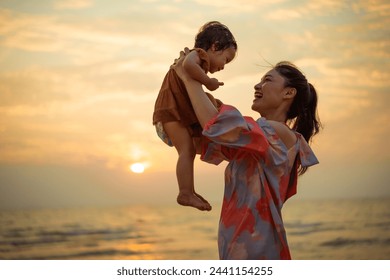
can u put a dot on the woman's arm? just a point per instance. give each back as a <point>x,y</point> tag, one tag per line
<point>202,105</point>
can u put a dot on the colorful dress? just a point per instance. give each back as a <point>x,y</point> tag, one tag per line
<point>260,177</point>
<point>174,104</point>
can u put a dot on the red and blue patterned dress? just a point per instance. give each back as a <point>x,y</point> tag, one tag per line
<point>260,177</point>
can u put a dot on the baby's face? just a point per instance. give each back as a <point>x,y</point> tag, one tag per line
<point>218,59</point>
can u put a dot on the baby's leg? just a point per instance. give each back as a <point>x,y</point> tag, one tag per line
<point>184,145</point>
<point>197,144</point>
<point>198,150</point>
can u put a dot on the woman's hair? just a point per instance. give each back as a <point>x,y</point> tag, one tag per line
<point>302,115</point>
<point>215,33</point>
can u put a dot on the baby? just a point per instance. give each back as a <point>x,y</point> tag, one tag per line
<point>174,117</point>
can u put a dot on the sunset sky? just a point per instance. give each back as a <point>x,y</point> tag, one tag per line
<point>78,81</point>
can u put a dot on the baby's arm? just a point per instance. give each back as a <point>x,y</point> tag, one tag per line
<point>191,64</point>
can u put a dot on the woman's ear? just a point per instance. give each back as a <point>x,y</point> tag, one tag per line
<point>290,93</point>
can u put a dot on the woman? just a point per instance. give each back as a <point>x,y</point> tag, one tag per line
<point>265,158</point>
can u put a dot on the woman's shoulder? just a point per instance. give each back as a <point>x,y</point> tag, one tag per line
<point>286,135</point>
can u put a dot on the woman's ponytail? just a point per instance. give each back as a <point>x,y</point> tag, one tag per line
<point>306,121</point>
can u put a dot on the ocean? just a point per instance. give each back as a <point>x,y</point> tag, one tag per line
<point>316,230</point>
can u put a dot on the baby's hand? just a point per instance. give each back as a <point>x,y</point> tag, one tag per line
<point>213,84</point>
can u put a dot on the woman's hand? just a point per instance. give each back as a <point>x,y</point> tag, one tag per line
<point>183,53</point>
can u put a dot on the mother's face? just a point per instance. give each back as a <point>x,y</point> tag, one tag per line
<point>269,92</point>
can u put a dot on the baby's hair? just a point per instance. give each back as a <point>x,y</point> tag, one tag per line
<point>215,33</point>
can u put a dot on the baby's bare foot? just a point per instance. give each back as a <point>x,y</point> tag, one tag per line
<point>193,200</point>
<point>201,198</point>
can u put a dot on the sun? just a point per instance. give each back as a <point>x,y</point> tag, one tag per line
<point>137,167</point>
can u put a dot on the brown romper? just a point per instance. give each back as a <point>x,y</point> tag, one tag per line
<point>174,104</point>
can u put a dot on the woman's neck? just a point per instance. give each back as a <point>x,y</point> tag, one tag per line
<point>278,116</point>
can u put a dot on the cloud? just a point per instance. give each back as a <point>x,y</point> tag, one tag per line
<point>72,4</point>
<point>20,31</point>
<point>380,7</point>
<point>284,14</point>
<point>236,6</point>
<point>80,40</point>
<point>346,60</point>
<point>309,9</point>
<point>346,92</point>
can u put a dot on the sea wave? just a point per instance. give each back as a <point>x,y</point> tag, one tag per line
<point>341,242</point>
<point>92,254</point>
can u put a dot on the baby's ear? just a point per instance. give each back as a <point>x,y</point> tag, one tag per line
<point>215,46</point>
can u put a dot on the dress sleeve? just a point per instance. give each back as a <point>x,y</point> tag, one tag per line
<point>229,133</point>
<point>306,155</point>
<point>278,152</point>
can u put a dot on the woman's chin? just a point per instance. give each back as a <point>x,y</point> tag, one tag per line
<point>254,107</point>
